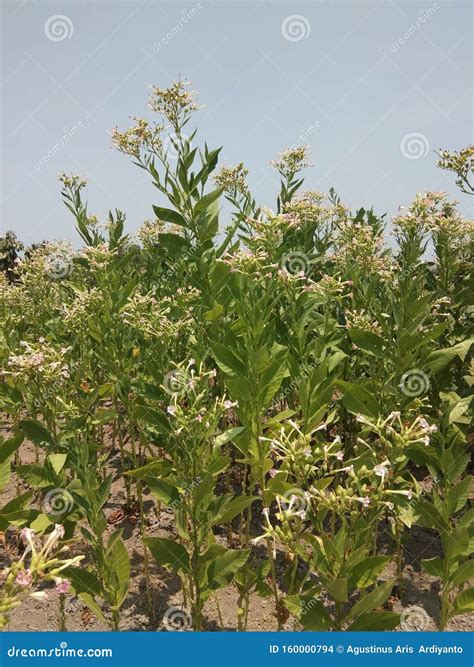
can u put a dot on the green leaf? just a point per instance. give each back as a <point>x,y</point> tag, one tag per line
<point>463,573</point>
<point>357,399</point>
<point>438,359</point>
<point>36,432</point>
<point>205,202</point>
<point>169,554</point>
<point>214,314</point>
<point>368,341</point>
<point>464,602</point>
<point>82,580</point>
<point>375,621</point>
<point>458,495</point>
<point>163,490</point>
<point>234,508</point>
<point>434,566</point>
<point>366,572</point>
<point>372,600</point>
<point>57,461</point>
<point>118,560</point>
<point>338,589</point>
<point>227,360</point>
<point>168,215</point>
<point>9,447</point>
<point>222,568</point>
<point>35,474</point>
<point>310,612</point>
<point>429,516</point>
<point>228,435</point>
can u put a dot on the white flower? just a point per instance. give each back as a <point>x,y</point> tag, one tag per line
<point>337,440</point>
<point>365,501</point>
<point>339,455</point>
<point>171,409</point>
<point>381,470</point>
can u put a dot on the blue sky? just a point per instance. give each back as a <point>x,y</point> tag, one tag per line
<point>373,87</point>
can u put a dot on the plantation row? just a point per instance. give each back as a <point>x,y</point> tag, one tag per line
<point>293,391</point>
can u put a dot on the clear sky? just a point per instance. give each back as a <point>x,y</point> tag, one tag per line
<point>373,87</point>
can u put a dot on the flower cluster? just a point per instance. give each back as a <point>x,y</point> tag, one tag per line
<point>133,140</point>
<point>292,160</point>
<point>461,163</point>
<point>38,564</point>
<point>175,103</point>
<point>232,179</point>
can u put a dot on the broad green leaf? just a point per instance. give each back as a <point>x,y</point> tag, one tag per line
<point>372,600</point>
<point>368,341</point>
<point>366,572</point>
<point>234,508</point>
<point>57,461</point>
<point>434,566</point>
<point>357,399</point>
<point>222,568</point>
<point>169,554</point>
<point>464,602</point>
<point>168,215</point>
<point>375,621</point>
<point>9,447</point>
<point>463,573</point>
<point>36,432</point>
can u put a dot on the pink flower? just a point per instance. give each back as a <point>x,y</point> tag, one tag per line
<point>171,409</point>
<point>339,455</point>
<point>272,473</point>
<point>27,534</point>
<point>199,418</point>
<point>62,585</point>
<point>59,530</point>
<point>365,501</point>
<point>23,578</point>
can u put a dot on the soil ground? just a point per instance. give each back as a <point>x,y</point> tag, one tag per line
<point>419,598</point>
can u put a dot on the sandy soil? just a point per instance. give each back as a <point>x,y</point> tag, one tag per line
<point>419,598</point>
